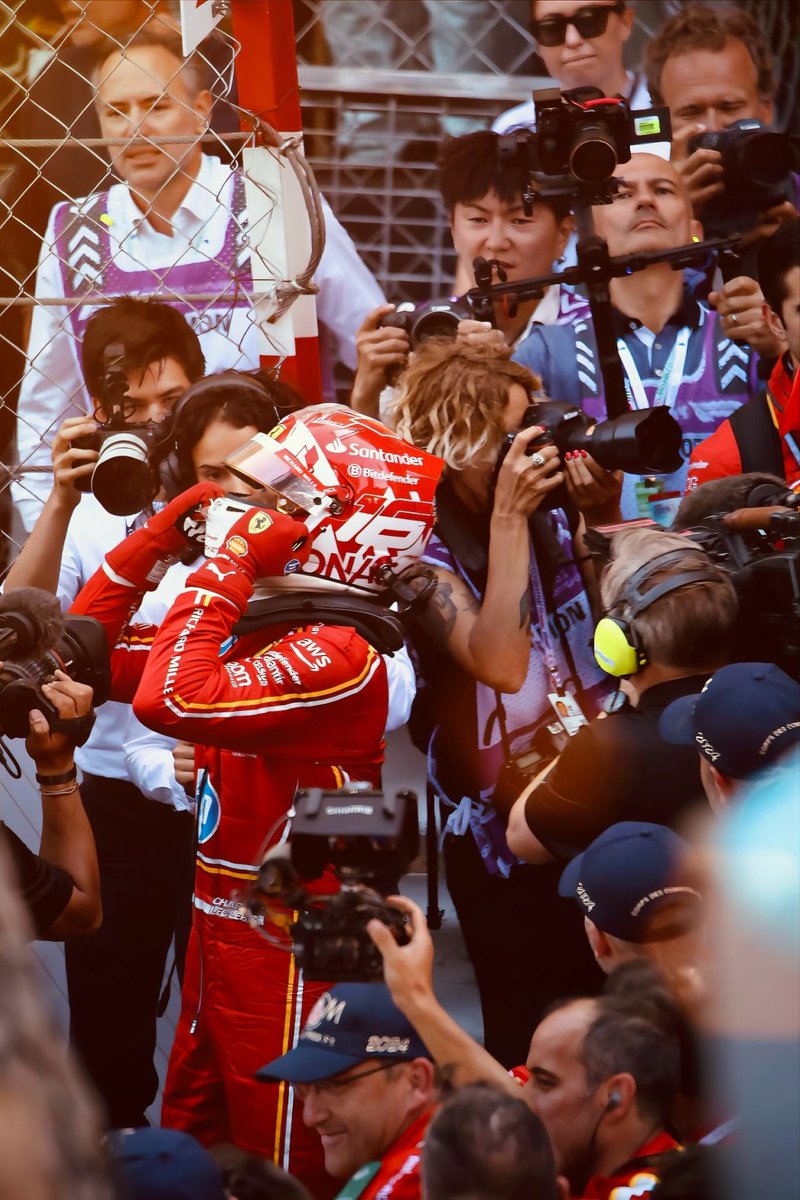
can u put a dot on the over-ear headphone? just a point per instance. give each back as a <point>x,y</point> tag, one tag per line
<point>173,478</point>
<point>617,644</point>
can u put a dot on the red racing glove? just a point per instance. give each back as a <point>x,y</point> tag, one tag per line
<point>262,543</point>
<point>144,556</point>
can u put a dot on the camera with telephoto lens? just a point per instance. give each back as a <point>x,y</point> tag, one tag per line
<point>436,318</point>
<point>647,442</point>
<point>584,134</point>
<point>36,641</point>
<point>122,479</point>
<point>367,838</point>
<point>756,166</point>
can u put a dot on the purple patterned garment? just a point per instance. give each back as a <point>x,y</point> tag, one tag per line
<point>89,265</point>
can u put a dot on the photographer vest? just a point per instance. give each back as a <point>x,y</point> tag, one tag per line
<point>705,377</point>
<point>93,267</point>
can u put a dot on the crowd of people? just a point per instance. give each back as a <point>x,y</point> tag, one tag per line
<point>252,588</point>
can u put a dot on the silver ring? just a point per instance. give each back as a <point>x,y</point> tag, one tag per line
<point>732,318</point>
<point>538,460</point>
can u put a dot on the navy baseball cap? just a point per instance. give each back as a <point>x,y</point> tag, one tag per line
<point>744,718</point>
<point>349,1024</point>
<point>628,873</point>
<point>163,1164</point>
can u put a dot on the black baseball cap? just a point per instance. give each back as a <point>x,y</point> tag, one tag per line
<point>628,873</point>
<point>350,1024</point>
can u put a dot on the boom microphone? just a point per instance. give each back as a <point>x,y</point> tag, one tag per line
<point>31,623</point>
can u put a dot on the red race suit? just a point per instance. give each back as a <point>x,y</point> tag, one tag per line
<point>777,417</point>
<point>268,711</point>
<point>397,1174</point>
<point>636,1178</point>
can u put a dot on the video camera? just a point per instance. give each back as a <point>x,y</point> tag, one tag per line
<point>36,641</point>
<point>756,165</point>
<point>122,479</point>
<point>764,564</point>
<point>368,839</point>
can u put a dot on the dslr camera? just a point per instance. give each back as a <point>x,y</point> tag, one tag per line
<point>645,442</point>
<point>756,165</point>
<point>435,318</point>
<point>584,134</point>
<point>36,641</point>
<point>122,479</point>
<point>367,840</point>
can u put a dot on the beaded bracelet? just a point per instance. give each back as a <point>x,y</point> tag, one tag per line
<point>65,777</point>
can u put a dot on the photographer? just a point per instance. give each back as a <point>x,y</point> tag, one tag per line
<point>144,848</point>
<point>482,194</point>
<point>503,647</point>
<point>298,698</point>
<point>712,67</point>
<point>764,434</point>
<point>61,885</point>
<point>671,616</point>
<point>674,350</point>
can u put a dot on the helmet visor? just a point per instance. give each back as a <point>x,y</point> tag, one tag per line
<point>281,478</point>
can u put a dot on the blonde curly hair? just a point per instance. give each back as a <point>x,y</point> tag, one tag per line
<point>452,399</point>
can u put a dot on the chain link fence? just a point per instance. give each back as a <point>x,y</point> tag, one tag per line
<point>382,82</point>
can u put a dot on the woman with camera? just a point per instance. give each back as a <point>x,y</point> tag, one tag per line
<point>504,652</point>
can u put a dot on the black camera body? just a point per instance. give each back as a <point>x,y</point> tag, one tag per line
<point>764,565</point>
<point>585,134</point>
<point>82,653</point>
<point>646,442</point>
<point>122,479</point>
<point>435,318</point>
<point>756,164</point>
<point>368,838</point>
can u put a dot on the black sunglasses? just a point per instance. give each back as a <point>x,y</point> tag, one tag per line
<point>590,22</point>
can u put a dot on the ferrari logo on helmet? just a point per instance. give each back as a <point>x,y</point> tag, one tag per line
<point>259,523</point>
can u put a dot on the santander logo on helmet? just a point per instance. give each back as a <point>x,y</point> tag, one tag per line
<point>366,496</point>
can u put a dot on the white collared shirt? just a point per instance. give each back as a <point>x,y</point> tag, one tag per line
<point>52,387</point>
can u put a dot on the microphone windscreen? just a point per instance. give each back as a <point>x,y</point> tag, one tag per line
<point>35,617</point>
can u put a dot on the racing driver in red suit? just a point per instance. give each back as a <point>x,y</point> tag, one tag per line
<point>338,499</point>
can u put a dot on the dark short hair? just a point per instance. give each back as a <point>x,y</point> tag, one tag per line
<point>260,405</point>
<point>150,331</point>
<point>621,1040</point>
<point>698,27</point>
<point>485,1143</point>
<point>777,256</point>
<point>470,167</point>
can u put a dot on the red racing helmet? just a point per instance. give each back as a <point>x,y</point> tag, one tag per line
<point>366,496</point>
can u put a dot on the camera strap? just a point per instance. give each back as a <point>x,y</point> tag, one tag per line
<point>671,379</point>
<point>540,612</point>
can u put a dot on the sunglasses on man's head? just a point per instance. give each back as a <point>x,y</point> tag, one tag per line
<point>590,22</point>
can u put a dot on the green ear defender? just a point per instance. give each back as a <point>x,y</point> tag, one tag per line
<point>617,646</point>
